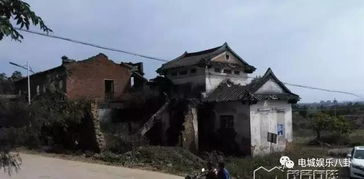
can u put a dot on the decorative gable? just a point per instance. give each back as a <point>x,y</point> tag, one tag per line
<point>270,87</point>
<point>227,57</point>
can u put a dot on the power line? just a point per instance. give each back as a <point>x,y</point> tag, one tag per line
<point>316,88</point>
<point>323,89</point>
<point>90,44</point>
<point>163,60</point>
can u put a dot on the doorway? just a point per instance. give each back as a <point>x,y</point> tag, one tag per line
<point>109,89</point>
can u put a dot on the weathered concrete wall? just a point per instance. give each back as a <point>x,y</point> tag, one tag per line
<point>206,78</point>
<point>189,83</point>
<point>86,78</point>
<point>190,132</point>
<point>196,78</point>
<point>241,113</point>
<point>265,116</point>
<point>213,79</point>
<point>104,114</point>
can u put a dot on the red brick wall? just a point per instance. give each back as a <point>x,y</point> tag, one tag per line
<point>86,79</point>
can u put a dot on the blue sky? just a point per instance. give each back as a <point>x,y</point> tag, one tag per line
<point>309,42</point>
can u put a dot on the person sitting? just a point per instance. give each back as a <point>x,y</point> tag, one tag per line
<point>222,173</point>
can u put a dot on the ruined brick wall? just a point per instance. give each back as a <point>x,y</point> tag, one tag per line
<point>190,132</point>
<point>96,128</point>
<point>86,79</point>
<point>40,83</point>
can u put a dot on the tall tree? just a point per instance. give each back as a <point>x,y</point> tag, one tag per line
<point>16,76</point>
<point>14,12</point>
<point>5,84</point>
<point>3,77</point>
<point>320,122</point>
<point>18,12</point>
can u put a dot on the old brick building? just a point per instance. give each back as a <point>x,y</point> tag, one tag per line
<point>96,78</point>
<point>104,83</point>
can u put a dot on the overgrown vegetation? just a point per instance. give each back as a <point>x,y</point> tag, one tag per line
<point>7,83</point>
<point>56,117</point>
<point>9,162</point>
<point>20,12</point>
<point>328,125</point>
<point>338,126</point>
<point>47,121</point>
<point>168,159</point>
<point>243,167</point>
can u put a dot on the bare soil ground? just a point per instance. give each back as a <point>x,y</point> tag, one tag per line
<point>36,166</point>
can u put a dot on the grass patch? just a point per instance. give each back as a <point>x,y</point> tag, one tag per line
<point>173,160</point>
<point>243,167</point>
<point>356,137</point>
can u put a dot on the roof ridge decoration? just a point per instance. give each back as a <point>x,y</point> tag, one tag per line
<point>236,92</point>
<point>270,75</point>
<point>202,57</point>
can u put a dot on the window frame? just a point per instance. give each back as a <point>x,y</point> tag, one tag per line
<point>227,71</point>
<point>183,72</point>
<point>217,70</point>
<point>227,121</point>
<point>174,73</point>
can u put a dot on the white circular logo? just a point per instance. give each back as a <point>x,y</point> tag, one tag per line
<point>286,162</point>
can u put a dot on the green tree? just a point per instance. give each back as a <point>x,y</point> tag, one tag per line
<point>16,76</point>
<point>14,12</point>
<point>320,122</point>
<point>340,126</point>
<point>303,111</point>
<point>18,12</point>
<point>6,85</point>
<point>3,77</point>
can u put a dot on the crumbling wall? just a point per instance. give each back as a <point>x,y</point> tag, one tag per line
<point>190,132</point>
<point>95,122</point>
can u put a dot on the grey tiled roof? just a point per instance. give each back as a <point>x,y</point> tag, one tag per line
<point>202,58</point>
<point>228,91</point>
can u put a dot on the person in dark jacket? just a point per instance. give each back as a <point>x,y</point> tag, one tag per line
<point>222,173</point>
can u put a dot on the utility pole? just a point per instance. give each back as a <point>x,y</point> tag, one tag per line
<point>27,67</point>
<point>29,102</point>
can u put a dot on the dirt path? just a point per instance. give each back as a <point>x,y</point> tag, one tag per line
<point>39,167</point>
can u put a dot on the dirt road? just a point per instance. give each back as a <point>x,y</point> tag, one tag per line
<point>39,167</point>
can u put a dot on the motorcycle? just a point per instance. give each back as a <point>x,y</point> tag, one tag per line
<point>201,174</point>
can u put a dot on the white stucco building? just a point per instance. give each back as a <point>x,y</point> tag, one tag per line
<point>235,114</point>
